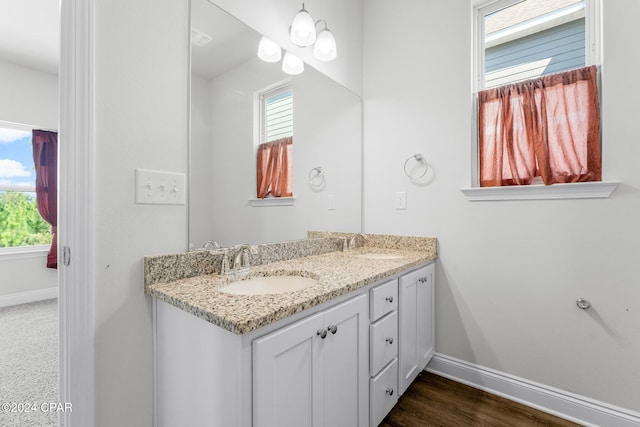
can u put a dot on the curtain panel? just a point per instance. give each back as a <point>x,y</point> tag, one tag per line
<point>547,127</point>
<point>274,168</point>
<point>45,158</point>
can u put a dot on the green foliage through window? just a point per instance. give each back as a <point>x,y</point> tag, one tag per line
<point>20,222</point>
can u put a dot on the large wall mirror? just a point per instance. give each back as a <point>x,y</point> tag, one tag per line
<point>226,78</point>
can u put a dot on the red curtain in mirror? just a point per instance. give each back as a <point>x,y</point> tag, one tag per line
<point>45,158</point>
<point>273,168</point>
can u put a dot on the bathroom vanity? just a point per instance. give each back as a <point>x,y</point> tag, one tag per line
<point>338,352</point>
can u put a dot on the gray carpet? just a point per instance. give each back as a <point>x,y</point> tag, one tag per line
<point>29,363</point>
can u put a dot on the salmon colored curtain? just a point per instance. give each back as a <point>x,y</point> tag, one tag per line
<point>274,172</point>
<point>45,158</point>
<point>547,127</point>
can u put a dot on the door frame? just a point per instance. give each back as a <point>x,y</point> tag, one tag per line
<point>76,279</point>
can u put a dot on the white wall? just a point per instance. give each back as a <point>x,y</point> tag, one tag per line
<point>25,273</point>
<point>141,97</point>
<point>272,18</point>
<point>327,133</point>
<point>508,273</point>
<point>28,97</point>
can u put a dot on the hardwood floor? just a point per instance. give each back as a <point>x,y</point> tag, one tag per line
<point>436,401</point>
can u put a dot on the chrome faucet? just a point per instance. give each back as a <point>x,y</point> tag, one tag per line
<point>352,240</point>
<point>211,244</point>
<point>241,260</point>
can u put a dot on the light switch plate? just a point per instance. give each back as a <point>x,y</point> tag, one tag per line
<point>160,188</point>
<point>331,202</point>
<point>401,200</point>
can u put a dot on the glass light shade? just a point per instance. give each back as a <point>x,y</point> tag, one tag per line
<point>291,64</point>
<point>325,48</point>
<point>268,50</point>
<point>303,29</point>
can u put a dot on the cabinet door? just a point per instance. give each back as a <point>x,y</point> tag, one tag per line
<point>286,373</point>
<point>415,293</point>
<point>345,356</point>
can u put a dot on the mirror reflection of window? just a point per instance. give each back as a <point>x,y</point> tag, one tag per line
<point>274,156</point>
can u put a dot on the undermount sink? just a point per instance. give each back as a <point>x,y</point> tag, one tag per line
<point>268,285</point>
<point>379,256</point>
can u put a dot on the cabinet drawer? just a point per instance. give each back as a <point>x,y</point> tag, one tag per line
<point>383,342</point>
<point>384,299</point>
<point>383,393</point>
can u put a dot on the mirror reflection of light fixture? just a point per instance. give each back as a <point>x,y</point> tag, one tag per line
<point>268,50</point>
<point>325,48</point>
<point>291,64</point>
<point>303,30</point>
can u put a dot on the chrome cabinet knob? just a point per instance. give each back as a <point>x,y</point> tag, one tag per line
<point>389,340</point>
<point>390,391</point>
<point>333,328</point>
<point>390,299</point>
<point>322,333</point>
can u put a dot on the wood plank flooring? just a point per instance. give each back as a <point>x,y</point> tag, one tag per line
<point>436,401</point>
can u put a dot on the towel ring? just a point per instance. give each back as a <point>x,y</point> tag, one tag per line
<point>316,177</point>
<point>420,159</point>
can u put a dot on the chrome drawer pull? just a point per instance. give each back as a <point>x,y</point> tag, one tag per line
<point>390,299</point>
<point>322,333</point>
<point>333,329</point>
<point>389,340</point>
<point>390,391</point>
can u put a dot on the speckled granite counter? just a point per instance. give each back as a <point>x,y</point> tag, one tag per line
<point>337,273</point>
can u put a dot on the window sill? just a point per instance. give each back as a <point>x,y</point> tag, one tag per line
<point>23,252</point>
<point>578,190</point>
<point>273,201</point>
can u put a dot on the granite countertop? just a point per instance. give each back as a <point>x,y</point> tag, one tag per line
<point>337,273</point>
<point>191,281</point>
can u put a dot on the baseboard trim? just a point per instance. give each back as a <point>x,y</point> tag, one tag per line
<point>29,296</point>
<point>570,406</point>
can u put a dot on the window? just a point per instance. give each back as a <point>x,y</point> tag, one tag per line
<point>277,107</point>
<point>274,155</point>
<point>521,46</point>
<point>522,39</point>
<point>20,223</point>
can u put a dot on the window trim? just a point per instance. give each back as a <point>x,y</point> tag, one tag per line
<point>593,49</point>
<point>258,136</point>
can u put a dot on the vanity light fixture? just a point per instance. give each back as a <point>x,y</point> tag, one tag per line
<point>268,50</point>
<point>291,64</point>
<point>302,31</point>
<point>325,48</point>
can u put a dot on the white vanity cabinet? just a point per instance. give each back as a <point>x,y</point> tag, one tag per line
<point>344,362</point>
<point>314,371</point>
<point>416,323</point>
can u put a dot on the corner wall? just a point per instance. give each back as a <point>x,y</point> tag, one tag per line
<point>509,273</point>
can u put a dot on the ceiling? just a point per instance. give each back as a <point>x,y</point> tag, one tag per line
<point>30,33</point>
<point>232,41</point>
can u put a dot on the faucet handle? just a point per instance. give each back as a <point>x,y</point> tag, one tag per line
<point>245,262</point>
<point>224,268</point>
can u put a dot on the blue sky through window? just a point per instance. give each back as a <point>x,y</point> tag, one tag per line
<point>16,158</point>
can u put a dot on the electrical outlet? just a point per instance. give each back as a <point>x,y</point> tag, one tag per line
<point>401,200</point>
<point>160,188</point>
